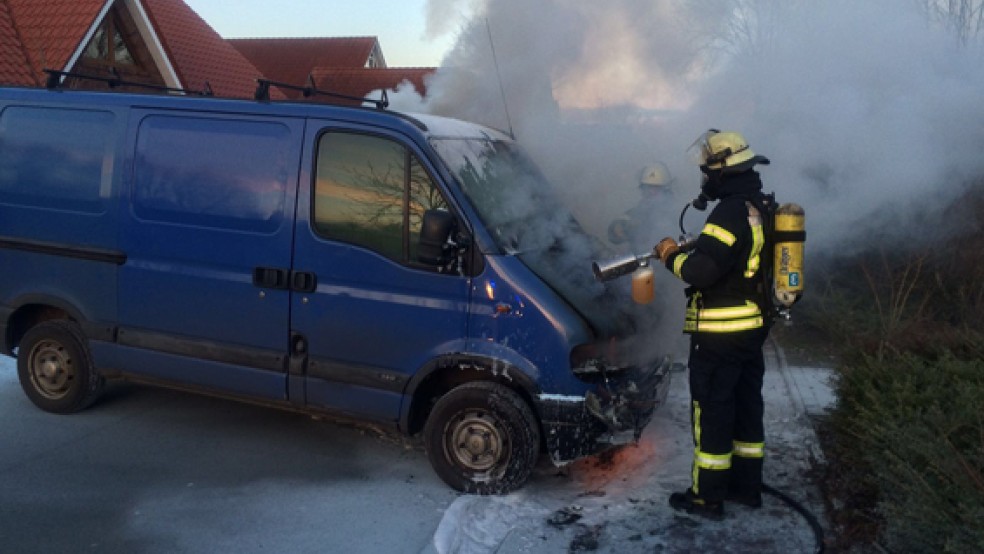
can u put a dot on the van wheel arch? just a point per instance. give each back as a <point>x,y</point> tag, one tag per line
<point>29,315</point>
<point>441,376</point>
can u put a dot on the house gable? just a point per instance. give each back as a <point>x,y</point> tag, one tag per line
<point>160,42</point>
<point>117,45</point>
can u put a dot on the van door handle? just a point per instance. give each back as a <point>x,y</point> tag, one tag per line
<point>270,278</point>
<point>303,281</point>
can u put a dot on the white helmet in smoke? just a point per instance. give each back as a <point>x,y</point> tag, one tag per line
<point>656,175</point>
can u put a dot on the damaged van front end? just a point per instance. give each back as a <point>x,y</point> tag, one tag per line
<point>614,412</point>
<point>537,306</point>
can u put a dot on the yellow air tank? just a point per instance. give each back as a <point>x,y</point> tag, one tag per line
<point>790,226</point>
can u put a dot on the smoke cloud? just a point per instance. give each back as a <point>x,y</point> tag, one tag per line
<point>869,112</point>
<point>866,109</point>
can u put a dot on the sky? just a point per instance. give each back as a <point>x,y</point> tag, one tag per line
<point>401,25</point>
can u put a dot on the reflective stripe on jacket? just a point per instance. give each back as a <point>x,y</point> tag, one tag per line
<point>724,270</point>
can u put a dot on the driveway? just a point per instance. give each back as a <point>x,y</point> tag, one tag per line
<point>148,470</point>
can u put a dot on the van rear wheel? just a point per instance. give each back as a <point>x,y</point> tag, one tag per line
<point>482,438</point>
<point>55,368</point>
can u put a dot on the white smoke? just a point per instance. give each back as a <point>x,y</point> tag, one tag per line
<point>865,109</point>
<point>869,113</point>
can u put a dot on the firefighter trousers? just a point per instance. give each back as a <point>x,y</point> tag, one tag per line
<point>726,373</point>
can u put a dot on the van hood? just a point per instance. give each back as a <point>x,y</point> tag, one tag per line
<point>526,218</point>
<point>566,268</point>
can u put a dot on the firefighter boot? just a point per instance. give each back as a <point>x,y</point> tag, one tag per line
<point>693,504</point>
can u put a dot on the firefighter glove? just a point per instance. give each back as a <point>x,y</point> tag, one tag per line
<point>666,248</point>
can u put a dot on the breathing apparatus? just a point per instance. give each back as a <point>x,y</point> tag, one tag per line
<point>720,153</point>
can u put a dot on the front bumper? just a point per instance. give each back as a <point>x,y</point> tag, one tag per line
<point>614,413</point>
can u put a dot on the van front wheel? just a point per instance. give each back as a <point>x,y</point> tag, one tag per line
<point>55,369</point>
<point>482,438</point>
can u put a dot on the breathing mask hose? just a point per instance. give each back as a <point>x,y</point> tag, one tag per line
<point>699,203</point>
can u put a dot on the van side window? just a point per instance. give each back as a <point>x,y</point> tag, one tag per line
<point>219,173</point>
<point>56,158</point>
<point>372,192</point>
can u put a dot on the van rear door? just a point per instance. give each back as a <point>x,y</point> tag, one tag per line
<point>368,314</point>
<point>204,294</point>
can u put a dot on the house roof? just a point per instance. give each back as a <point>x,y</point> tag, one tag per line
<point>49,32</point>
<point>14,65</point>
<point>359,82</point>
<point>198,53</point>
<point>39,34</point>
<point>291,60</point>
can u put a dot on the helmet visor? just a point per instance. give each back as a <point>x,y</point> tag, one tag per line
<point>700,150</point>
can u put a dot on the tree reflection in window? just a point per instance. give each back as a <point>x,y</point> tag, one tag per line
<point>372,192</point>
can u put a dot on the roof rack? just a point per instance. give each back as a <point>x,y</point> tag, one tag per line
<point>56,78</point>
<point>263,92</point>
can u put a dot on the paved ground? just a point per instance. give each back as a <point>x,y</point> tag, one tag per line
<point>154,471</point>
<point>621,503</point>
<point>149,470</point>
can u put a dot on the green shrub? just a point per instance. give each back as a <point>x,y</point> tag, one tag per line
<point>905,443</point>
<point>916,426</point>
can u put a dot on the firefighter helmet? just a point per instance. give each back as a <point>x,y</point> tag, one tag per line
<point>656,175</point>
<point>725,151</point>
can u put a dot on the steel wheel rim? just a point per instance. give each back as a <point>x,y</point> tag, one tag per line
<point>52,369</point>
<point>475,442</point>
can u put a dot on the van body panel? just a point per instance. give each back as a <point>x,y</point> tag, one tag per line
<point>59,180</point>
<point>372,321</point>
<point>189,372</point>
<point>514,311</point>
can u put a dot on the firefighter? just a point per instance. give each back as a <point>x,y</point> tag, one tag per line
<point>727,327</point>
<point>633,227</point>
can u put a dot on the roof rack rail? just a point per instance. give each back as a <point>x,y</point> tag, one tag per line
<point>263,92</point>
<point>56,78</point>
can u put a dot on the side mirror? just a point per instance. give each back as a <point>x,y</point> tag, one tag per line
<point>436,229</point>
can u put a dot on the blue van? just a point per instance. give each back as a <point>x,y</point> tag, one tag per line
<point>408,270</point>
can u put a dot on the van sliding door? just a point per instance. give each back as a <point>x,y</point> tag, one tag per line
<point>203,295</point>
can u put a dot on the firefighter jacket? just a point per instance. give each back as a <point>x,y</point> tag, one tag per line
<point>724,268</point>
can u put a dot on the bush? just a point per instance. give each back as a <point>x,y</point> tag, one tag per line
<point>905,443</point>
<point>918,428</point>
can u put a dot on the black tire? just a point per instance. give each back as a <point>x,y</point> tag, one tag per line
<point>482,438</point>
<point>55,368</point>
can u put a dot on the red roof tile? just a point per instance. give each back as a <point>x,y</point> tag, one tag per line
<point>51,30</point>
<point>360,82</point>
<point>15,69</point>
<point>291,60</point>
<point>198,53</point>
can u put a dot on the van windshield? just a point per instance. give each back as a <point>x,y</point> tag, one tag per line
<point>513,199</point>
<point>526,218</point>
